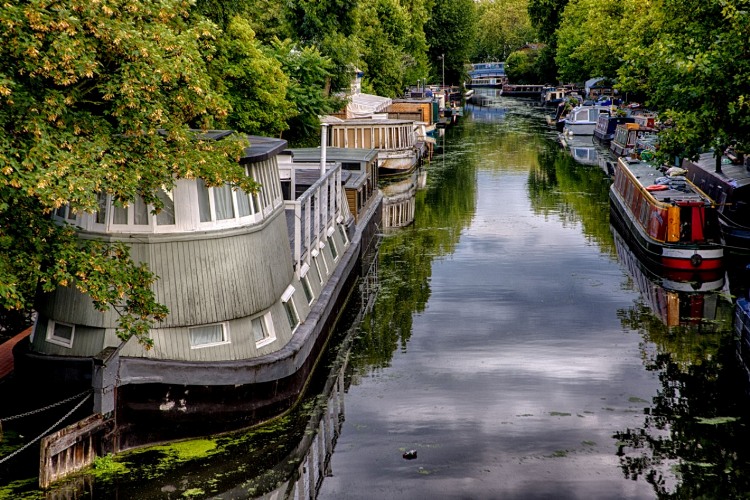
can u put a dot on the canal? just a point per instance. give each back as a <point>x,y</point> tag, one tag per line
<point>506,344</point>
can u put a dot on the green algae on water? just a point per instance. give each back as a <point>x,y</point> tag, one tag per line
<point>716,420</point>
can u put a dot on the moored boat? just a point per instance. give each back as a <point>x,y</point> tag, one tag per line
<point>730,188</point>
<point>606,125</point>
<point>254,283</point>
<point>582,119</point>
<point>489,74</point>
<point>626,137</point>
<point>673,222</point>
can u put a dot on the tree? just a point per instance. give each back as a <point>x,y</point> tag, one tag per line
<point>521,67</point>
<point>589,38</point>
<point>308,72</point>
<point>693,62</point>
<point>450,33</point>
<point>253,82</point>
<point>503,26</point>
<point>545,18</point>
<point>98,98</point>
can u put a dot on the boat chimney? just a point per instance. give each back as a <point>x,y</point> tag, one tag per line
<point>323,146</point>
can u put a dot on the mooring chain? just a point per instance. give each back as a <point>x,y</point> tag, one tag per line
<point>49,429</point>
<point>39,410</point>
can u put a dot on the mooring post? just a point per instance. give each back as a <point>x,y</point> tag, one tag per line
<point>103,379</point>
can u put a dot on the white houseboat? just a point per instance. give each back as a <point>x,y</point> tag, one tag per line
<point>254,283</point>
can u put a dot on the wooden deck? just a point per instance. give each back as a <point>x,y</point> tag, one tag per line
<point>6,353</point>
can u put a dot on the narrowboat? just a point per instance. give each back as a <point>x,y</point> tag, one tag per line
<point>629,134</point>
<point>523,90</point>
<point>730,188</point>
<point>254,283</point>
<point>673,223</point>
<point>606,125</point>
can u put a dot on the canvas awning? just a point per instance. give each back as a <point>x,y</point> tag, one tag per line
<point>365,105</point>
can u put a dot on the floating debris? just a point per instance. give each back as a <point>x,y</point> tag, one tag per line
<point>410,455</point>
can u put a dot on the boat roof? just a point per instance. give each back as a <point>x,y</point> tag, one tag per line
<point>333,154</point>
<point>733,176</point>
<point>647,174</point>
<point>260,149</point>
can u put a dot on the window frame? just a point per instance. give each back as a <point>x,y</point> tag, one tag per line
<point>290,308</point>
<point>61,341</point>
<point>224,331</point>
<point>270,336</point>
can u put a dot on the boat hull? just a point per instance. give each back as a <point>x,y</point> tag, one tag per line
<point>678,257</point>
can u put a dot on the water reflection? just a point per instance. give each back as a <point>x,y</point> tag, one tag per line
<point>687,445</point>
<point>399,198</point>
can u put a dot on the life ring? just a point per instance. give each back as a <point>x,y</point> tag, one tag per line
<point>657,187</point>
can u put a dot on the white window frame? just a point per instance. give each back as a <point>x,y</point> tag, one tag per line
<point>305,282</point>
<point>290,307</point>
<point>265,319</point>
<point>224,334</point>
<point>52,339</point>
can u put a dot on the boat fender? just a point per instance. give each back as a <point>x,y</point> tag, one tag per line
<point>696,260</point>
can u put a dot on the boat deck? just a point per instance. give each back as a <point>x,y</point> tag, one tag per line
<point>647,176</point>
<point>6,353</point>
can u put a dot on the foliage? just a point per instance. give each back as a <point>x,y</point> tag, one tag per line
<point>503,26</point>
<point>521,67</point>
<point>253,82</point>
<point>98,99</point>
<point>451,32</point>
<point>697,71</point>
<point>545,17</point>
<point>589,39</point>
<point>416,62</point>
<point>308,71</point>
<point>384,29</point>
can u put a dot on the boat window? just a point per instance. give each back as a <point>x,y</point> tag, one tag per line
<point>166,216</point>
<point>263,332</point>
<point>208,335</point>
<point>60,333</point>
<point>289,308</point>
<point>305,280</point>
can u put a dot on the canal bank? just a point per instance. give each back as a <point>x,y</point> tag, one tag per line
<point>508,346</point>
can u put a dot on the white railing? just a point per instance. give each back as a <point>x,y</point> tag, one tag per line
<point>316,210</point>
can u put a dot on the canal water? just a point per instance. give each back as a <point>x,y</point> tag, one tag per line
<point>506,344</point>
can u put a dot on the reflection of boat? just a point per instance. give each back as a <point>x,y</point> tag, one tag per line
<point>486,96</point>
<point>672,221</point>
<point>489,74</point>
<point>486,113</point>
<point>399,199</point>
<point>730,188</point>
<point>581,148</point>
<point>676,298</point>
<point>253,283</point>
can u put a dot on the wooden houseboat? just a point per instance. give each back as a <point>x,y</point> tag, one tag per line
<point>395,141</point>
<point>552,96</point>
<point>730,189</point>
<point>254,283</point>
<point>489,74</point>
<point>606,125</point>
<point>674,223</point>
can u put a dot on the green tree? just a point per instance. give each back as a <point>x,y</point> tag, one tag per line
<point>693,62</point>
<point>521,66</point>
<point>589,38</point>
<point>451,32</point>
<point>308,72</point>
<point>98,98</point>
<point>253,82</point>
<point>545,18</point>
<point>503,26</point>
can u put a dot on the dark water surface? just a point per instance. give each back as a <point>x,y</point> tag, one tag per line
<point>512,341</point>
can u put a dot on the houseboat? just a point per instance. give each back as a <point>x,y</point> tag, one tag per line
<point>626,138</point>
<point>672,222</point>
<point>523,90</point>
<point>395,140</point>
<point>582,119</point>
<point>254,283</point>
<point>489,74</point>
<point>552,96</point>
<point>606,125</point>
<point>730,188</point>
